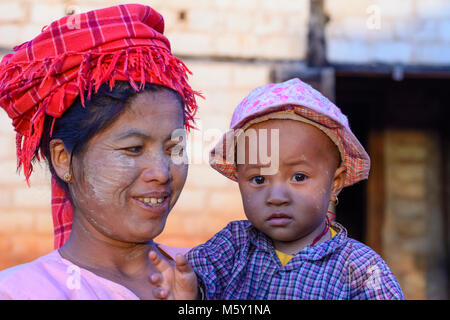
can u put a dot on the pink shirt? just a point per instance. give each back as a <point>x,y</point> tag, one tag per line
<point>51,277</point>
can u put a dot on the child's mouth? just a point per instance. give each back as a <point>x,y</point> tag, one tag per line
<point>279,219</point>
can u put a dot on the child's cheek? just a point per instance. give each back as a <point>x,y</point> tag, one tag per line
<point>252,203</point>
<point>310,204</point>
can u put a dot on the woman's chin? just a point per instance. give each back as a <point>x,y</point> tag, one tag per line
<point>147,231</point>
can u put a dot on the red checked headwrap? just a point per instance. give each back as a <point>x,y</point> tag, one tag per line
<point>74,56</point>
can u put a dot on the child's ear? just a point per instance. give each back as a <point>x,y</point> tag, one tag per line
<point>60,157</point>
<point>338,182</point>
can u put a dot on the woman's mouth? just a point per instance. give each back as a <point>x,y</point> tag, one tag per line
<point>156,204</point>
<point>153,201</point>
<point>279,219</point>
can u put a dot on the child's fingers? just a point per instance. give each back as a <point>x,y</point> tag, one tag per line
<point>160,264</point>
<point>182,264</point>
<point>160,293</point>
<point>155,279</point>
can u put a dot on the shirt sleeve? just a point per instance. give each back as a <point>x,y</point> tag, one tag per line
<point>213,261</point>
<point>4,295</point>
<point>371,278</point>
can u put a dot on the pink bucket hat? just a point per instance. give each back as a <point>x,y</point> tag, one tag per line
<point>297,100</point>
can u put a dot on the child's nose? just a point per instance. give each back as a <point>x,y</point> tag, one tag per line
<point>278,196</point>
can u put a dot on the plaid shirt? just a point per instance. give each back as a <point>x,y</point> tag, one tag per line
<point>240,262</point>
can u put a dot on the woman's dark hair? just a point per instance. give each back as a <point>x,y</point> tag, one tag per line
<point>81,123</point>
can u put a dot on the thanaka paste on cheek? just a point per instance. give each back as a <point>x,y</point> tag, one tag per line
<point>104,179</point>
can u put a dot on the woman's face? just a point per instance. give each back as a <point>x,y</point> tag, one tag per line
<point>125,182</point>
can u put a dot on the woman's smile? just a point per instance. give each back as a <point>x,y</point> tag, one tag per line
<point>156,202</point>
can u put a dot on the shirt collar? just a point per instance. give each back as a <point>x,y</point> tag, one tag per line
<point>317,252</point>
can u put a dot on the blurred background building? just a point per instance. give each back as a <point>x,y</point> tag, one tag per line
<point>385,63</point>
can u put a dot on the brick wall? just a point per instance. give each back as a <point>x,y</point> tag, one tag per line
<point>386,31</point>
<point>230,28</point>
<point>25,220</point>
<point>413,231</point>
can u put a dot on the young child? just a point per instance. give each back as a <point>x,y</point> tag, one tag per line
<point>289,248</point>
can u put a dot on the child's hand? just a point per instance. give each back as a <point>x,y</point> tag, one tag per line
<point>177,282</point>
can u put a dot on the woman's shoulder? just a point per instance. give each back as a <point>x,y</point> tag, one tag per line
<point>23,270</point>
<point>31,279</point>
<point>51,277</point>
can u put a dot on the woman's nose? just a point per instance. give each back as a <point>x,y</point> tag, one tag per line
<point>157,169</point>
<point>278,196</point>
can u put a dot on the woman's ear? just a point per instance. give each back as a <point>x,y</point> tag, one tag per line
<point>60,157</point>
<point>338,182</point>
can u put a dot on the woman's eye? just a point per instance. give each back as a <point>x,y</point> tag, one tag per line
<point>135,149</point>
<point>258,180</point>
<point>299,177</point>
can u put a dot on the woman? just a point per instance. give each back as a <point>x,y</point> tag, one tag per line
<point>99,96</point>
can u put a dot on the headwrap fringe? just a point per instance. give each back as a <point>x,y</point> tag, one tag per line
<point>149,64</point>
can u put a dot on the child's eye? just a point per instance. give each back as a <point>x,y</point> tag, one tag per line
<point>299,177</point>
<point>258,180</point>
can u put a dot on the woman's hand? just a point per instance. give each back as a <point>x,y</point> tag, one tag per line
<point>176,282</point>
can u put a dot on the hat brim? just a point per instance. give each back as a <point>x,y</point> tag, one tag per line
<point>354,157</point>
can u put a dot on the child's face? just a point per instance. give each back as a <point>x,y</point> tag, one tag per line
<point>292,203</point>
